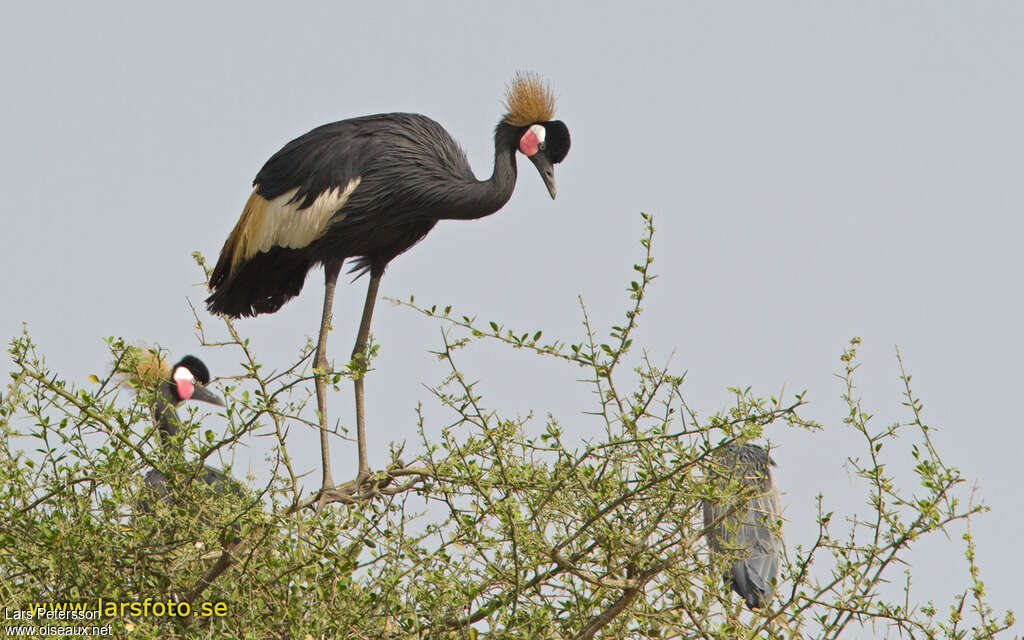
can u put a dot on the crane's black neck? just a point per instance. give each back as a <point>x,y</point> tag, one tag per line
<point>167,422</point>
<point>477,199</point>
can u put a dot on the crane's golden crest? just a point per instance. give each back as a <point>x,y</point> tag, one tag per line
<point>144,367</point>
<point>528,99</point>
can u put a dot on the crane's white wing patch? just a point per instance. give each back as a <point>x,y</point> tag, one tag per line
<point>266,224</point>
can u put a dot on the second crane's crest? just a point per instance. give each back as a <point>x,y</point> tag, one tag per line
<point>148,367</point>
<point>143,367</point>
<point>528,99</point>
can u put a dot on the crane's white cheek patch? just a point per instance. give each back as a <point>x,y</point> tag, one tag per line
<point>266,224</point>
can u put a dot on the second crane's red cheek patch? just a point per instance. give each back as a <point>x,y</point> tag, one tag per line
<point>185,389</point>
<point>529,142</point>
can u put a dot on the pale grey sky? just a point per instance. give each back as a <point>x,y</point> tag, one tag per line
<point>815,172</point>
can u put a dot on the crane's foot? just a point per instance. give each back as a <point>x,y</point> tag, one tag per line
<point>325,498</point>
<point>365,486</point>
<point>364,480</point>
<point>368,483</point>
<point>327,488</point>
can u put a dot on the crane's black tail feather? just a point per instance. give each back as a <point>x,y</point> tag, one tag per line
<point>262,284</point>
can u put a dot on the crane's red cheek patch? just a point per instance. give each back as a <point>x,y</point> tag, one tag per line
<point>528,143</point>
<point>185,389</point>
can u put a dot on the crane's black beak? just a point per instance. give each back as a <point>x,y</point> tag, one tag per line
<point>204,394</point>
<point>546,170</point>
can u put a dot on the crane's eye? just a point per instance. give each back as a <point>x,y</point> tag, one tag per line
<point>542,146</point>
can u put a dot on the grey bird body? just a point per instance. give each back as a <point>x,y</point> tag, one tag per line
<point>218,481</point>
<point>750,530</point>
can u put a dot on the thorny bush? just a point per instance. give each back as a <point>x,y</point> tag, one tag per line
<point>500,527</point>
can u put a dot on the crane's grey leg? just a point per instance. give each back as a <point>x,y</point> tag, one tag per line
<point>357,354</point>
<point>320,365</point>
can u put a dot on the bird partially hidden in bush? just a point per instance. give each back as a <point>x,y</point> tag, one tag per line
<point>749,528</point>
<point>170,386</point>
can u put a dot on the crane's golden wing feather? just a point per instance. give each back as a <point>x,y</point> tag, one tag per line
<point>282,222</point>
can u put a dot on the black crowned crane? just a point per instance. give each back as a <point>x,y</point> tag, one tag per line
<point>173,385</point>
<point>367,189</point>
<point>750,531</point>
